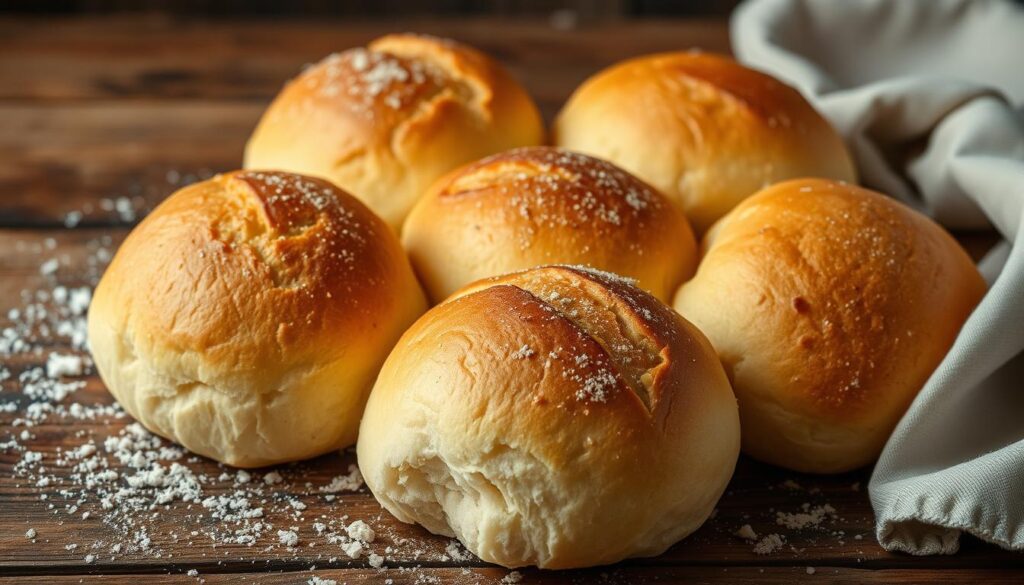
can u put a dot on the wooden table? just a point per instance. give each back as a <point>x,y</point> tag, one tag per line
<point>101,119</point>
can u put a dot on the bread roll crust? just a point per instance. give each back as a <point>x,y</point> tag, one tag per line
<point>247,316</point>
<point>525,414</point>
<point>702,129</point>
<point>385,121</point>
<point>830,305</point>
<point>541,205</point>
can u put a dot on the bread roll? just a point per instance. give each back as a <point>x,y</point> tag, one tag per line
<point>386,121</point>
<point>558,417</point>
<point>830,306</point>
<point>542,205</point>
<point>703,129</point>
<point>246,317</point>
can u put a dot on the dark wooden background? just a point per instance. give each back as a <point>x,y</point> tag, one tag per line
<point>132,106</point>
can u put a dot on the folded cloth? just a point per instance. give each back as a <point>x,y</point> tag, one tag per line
<point>925,91</point>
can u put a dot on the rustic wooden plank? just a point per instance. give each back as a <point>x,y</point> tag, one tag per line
<point>110,162</point>
<point>111,158</point>
<point>158,56</point>
<point>605,576</point>
<point>756,495</point>
<point>753,495</point>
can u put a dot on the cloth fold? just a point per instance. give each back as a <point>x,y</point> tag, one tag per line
<point>928,95</point>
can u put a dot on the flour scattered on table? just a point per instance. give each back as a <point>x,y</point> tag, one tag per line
<point>457,552</point>
<point>150,494</point>
<point>345,483</point>
<point>49,267</point>
<point>769,544</point>
<point>353,549</point>
<point>807,517</point>
<point>360,531</point>
<point>58,365</point>
<point>288,537</point>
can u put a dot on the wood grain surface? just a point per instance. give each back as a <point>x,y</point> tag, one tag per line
<point>102,119</point>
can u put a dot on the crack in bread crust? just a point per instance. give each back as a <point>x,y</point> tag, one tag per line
<point>634,356</point>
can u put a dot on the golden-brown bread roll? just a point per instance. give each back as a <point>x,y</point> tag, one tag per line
<point>702,128</point>
<point>246,317</point>
<point>542,205</point>
<point>558,417</point>
<point>385,121</point>
<point>830,306</point>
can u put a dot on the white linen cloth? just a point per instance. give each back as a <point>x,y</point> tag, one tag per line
<point>928,96</point>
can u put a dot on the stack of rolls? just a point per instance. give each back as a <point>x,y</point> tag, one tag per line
<point>552,409</point>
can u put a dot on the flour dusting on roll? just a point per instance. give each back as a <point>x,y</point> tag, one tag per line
<point>383,122</point>
<point>558,417</point>
<point>246,317</point>
<point>533,206</point>
<point>830,306</point>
